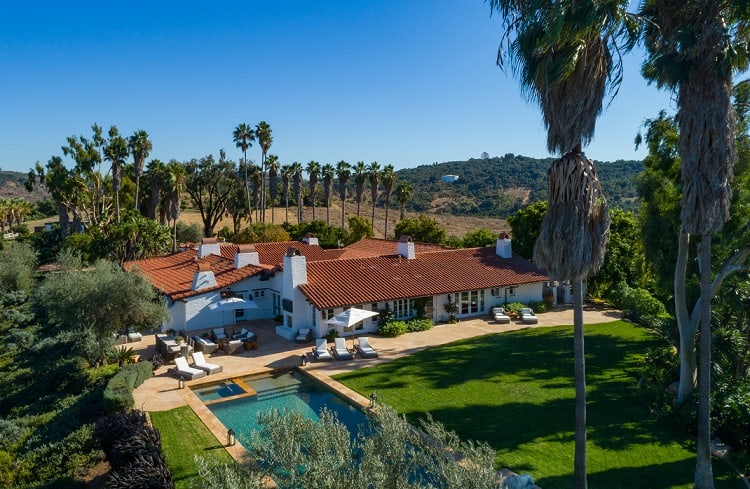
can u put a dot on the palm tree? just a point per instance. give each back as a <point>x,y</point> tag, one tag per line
<point>140,146</point>
<point>176,185</point>
<point>564,61</point>
<point>328,172</point>
<point>286,176</point>
<point>297,180</point>
<point>243,137</point>
<point>255,176</point>
<point>155,176</point>
<point>700,72</point>
<point>265,139</point>
<point>273,165</point>
<point>373,176</point>
<point>116,152</point>
<point>360,177</point>
<point>388,177</point>
<point>403,194</point>
<point>343,172</point>
<point>313,172</point>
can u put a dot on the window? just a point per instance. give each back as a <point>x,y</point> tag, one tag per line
<point>259,293</point>
<point>328,314</point>
<point>401,308</point>
<point>497,292</point>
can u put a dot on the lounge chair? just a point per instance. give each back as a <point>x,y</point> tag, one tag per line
<point>199,362</point>
<point>527,316</point>
<point>218,334</point>
<point>364,348</point>
<point>340,351</point>
<point>233,346</point>
<point>498,313</point>
<point>185,370</point>
<point>304,335</point>
<point>320,352</point>
<point>243,335</point>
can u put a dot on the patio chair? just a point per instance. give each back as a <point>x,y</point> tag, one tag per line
<point>185,370</point>
<point>364,348</point>
<point>243,335</point>
<point>233,346</point>
<point>340,351</point>
<point>199,362</point>
<point>527,316</point>
<point>204,345</point>
<point>304,335</point>
<point>218,334</point>
<point>320,352</point>
<point>498,313</point>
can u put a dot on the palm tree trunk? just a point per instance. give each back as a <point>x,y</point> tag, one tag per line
<point>579,368</point>
<point>686,325</point>
<point>385,233</point>
<point>704,477</point>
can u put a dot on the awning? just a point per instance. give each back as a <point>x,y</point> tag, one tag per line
<point>232,303</point>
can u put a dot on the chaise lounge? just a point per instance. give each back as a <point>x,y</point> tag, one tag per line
<point>364,348</point>
<point>320,352</point>
<point>185,370</point>
<point>304,335</point>
<point>527,316</point>
<point>199,362</point>
<point>498,313</point>
<point>340,351</point>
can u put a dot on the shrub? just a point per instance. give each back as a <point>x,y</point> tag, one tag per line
<point>393,329</point>
<point>733,423</point>
<point>414,325</point>
<point>118,395</point>
<point>538,306</point>
<point>639,305</point>
<point>513,307</point>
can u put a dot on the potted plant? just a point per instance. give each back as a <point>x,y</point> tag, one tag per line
<point>451,308</point>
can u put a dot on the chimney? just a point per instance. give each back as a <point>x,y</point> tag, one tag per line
<point>295,270</point>
<point>405,247</point>
<point>209,246</point>
<point>503,247</point>
<point>204,277</point>
<point>247,255</point>
<point>310,239</point>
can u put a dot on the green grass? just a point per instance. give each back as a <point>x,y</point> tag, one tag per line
<point>515,391</point>
<point>183,436</point>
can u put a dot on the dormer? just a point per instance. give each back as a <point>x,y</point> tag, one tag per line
<point>310,239</point>
<point>405,247</point>
<point>209,246</point>
<point>503,247</point>
<point>204,277</point>
<point>246,255</point>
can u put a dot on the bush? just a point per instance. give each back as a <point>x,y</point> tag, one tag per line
<point>639,305</point>
<point>393,328</point>
<point>118,395</point>
<point>414,325</point>
<point>189,233</point>
<point>733,413</point>
<point>513,307</point>
<point>538,306</point>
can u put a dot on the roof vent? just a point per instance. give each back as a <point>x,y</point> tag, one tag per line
<point>204,277</point>
<point>503,246</point>
<point>209,246</point>
<point>292,251</point>
<point>246,255</point>
<point>405,247</point>
<point>310,239</point>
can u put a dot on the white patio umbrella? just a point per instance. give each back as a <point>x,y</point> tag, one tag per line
<point>351,317</point>
<point>232,303</point>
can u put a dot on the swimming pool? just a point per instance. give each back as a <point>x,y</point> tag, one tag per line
<point>290,390</point>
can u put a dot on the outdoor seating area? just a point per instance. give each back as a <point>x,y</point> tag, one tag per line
<point>168,347</point>
<point>527,316</point>
<point>203,345</point>
<point>499,315</point>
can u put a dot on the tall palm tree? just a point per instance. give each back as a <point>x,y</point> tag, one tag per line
<point>243,137</point>
<point>404,192</point>
<point>343,172</point>
<point>176,185</point>
<point>255,175</point>
<point>694,49</point>
<point>116,152</point>
<point>565,61</point>
<point>286,176</point>
<point>273,164</point>
<point>265,139</point>
<point>388,177</point>
<point>313,172</point>
<point>360,177</point>
<point>373,176</point>
<point>140,146</point>
<point>155,176</point>
<point>328,172</point>
<point>297,180</point>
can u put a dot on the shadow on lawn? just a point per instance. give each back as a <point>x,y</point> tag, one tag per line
<point>654,476</point>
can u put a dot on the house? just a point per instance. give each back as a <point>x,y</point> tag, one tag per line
<point>304,285</point>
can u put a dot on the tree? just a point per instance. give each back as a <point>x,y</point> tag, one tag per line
<point>388,177</point>
<point>273,164</point>
<point>359,228</point>
<point>694,49</point>
<point>525,225</point>
<point>156,176</point>
<point>286,177</point>
<point>243,137</point>
<point>265,139</point>
<point>564,56</point>
<point>176,176</point>
<point>297,180</point>
<point>404,191</point>
<point>140,146</point>
<point>373,176</point>
<point>17,268</point>
<point>327,171</point>
<point>256,182</point>
<point>80,300</point>
<point>116,152</point>
<point>343,172</point>
<point>313,172</point>
<point>423,229</point>
<point>360,177</point>
<point>480,237</point>
<point>261,232</point>
<point>208,183</point>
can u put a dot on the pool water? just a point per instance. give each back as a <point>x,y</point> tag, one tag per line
<point>289,391</point>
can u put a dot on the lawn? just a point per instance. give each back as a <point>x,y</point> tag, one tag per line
<point>515,391</point>
<point>183,436</point>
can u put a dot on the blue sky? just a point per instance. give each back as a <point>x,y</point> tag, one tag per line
<point>398,82</point>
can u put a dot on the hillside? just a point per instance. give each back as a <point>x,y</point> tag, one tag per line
<point>11,187</point>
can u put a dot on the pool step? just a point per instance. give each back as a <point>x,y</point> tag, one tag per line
<point>249,390</point>
<point>277,392</point>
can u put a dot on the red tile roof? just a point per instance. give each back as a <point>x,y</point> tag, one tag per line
<point>381,247</point>
<point>173,274</point>
<point>337,283</point>
<point>273,253</point>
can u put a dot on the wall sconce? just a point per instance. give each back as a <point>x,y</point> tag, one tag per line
<point>231,438</point>
<point>373,400</point>
<point>181,382</point>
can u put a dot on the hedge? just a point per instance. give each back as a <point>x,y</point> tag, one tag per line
<point>118,395</point>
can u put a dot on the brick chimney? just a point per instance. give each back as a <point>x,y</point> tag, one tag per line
<point>503,247</point>
<point>204,277</point>
<point>209,246</point>
<point>405,247</point>
<point>247,255</point>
